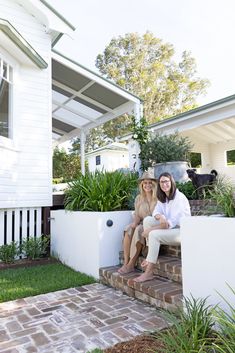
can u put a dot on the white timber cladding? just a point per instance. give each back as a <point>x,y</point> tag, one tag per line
<point>110,160</point>
<point>219,159</point>
<point>18,224</point>
<point>25,168</point>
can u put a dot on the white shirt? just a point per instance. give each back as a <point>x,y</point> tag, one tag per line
<point>174,209</point>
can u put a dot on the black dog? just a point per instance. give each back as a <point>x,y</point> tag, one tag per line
<point>201,180</point>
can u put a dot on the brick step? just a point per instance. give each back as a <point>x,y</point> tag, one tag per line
<point>167,266</point>
<point>159,292</point>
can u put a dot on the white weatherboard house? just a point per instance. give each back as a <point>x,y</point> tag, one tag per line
<point>109,158</point>
<point>43,96</point>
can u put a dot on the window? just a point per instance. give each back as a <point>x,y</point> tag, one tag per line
<point>97,160</point>
<point>230,157</point>
<point>195,159</point>
<point>5,97</point>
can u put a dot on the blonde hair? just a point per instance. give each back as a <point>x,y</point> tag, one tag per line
<point>143,194</point>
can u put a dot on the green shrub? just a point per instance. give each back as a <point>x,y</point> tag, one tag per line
<point>188,190</point>
<point>226,324</point>
<point>8,252</point>
<point>34,248</point>
<point>191,330</point>
<point>101,191</point>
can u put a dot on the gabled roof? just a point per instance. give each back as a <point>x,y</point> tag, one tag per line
<point>53,20</point>
<point>115,146</point>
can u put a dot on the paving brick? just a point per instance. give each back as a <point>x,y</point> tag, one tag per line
<point>67,327</point>
<point>40,339</point>
<point>13,326</point>
<point>88,331</point>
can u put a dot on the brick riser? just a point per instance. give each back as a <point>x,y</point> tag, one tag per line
<point>167,266</point>
<point>159,292</point>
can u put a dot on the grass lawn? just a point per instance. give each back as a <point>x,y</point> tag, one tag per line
<point>28,281</point>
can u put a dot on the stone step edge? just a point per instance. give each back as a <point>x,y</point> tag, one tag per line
<point>159,292</point>
<point>166,266</point>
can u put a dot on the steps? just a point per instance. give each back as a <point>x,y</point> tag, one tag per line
<point>164,291</point>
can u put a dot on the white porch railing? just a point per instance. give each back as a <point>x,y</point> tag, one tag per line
<point>19,223</point>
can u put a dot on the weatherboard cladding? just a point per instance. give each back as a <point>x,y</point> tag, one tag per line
<point>25,174</point>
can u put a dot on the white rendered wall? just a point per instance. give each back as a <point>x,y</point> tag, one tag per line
<point>83,241</point>
<point>207,245</point>
<point>25,169</point>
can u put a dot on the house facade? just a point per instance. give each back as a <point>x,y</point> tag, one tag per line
<point>109,158</point>
<point>27,30</point>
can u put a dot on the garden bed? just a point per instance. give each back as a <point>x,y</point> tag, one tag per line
<point>28,263</point>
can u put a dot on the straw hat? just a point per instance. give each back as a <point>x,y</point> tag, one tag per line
<point>147,175</point>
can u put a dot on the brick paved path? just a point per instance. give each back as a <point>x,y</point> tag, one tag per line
<point>73,320</point>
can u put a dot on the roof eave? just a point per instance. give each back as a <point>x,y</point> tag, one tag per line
<point>10,31</point>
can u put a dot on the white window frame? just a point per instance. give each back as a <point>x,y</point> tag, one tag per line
<point>8,78</point>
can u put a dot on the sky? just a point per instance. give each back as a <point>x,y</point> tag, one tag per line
<point>206,28</point>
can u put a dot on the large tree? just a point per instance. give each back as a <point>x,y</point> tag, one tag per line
<point>146,66</point>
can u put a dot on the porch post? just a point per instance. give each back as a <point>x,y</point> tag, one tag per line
<point>134,148</point>
<point>82,150</point>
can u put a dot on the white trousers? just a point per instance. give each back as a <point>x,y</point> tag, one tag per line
<point>158,237</point>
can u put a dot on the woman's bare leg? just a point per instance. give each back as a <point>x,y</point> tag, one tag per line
<point>129,267</point>
<point>126,249</point>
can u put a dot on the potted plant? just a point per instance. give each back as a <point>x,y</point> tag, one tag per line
<point>87,235</point>
<point>167,153</point>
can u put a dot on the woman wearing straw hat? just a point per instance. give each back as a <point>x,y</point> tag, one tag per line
<point>133,241</point>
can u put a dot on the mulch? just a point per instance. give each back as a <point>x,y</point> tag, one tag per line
<point>139,344</point>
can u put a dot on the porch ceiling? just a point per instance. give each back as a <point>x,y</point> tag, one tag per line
<point>211,123</point>
<point>82,100</point>
<point>215,132</point>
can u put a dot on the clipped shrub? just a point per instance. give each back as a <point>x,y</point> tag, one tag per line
<point>8,252</point>
<point>165,148</point>
<point>101,191</point>
<point>35,248</point>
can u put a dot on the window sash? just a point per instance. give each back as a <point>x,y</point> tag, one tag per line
<point>6,75</point>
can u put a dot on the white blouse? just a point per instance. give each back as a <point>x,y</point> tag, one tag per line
<point>174,209</point>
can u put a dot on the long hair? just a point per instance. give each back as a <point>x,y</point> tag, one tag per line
<point>154,191</point>
<point>161,195</point>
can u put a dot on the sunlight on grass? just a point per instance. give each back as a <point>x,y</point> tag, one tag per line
<point>30,281</point>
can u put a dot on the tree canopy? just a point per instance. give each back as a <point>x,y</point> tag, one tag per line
<point>147,67</point>
<point>65,166</point>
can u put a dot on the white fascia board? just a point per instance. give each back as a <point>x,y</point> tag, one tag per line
<point>20,42</point>
<point>94,77</point>
<point>44,13</point>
